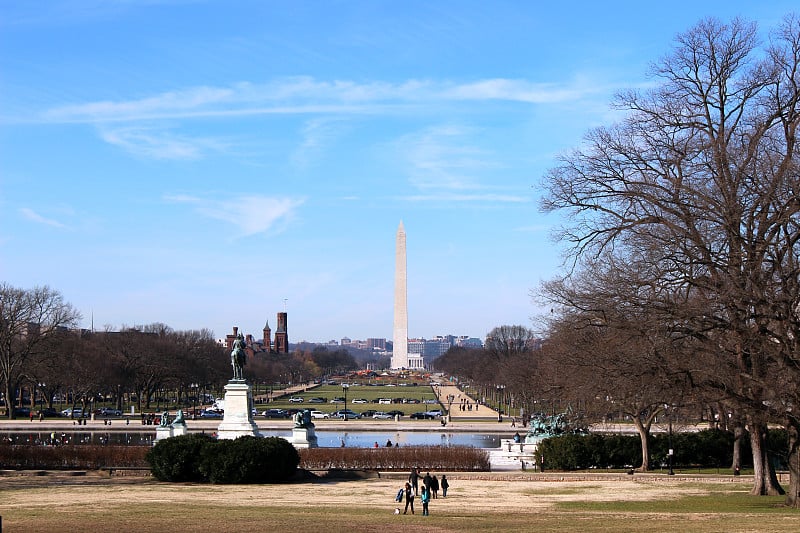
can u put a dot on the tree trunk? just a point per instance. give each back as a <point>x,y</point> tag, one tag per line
<point>765,482</point>
<point>793,494</point>
<point>8,395</point>
<point>738,435</point>
<point>644,435</point>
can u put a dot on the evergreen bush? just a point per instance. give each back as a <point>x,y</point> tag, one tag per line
<point>249,460</point>
<point>708,448</point>
<point>178,458</point>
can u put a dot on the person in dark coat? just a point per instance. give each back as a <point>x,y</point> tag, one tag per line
<point>409,498</point>
<point>434,487</point>
<point>413,478</point>
<point>445,485</point>
<point>427,480</point>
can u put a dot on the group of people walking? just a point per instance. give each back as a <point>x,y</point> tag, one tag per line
<point>430,490</point>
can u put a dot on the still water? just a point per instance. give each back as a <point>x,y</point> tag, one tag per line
<point>326,439</point>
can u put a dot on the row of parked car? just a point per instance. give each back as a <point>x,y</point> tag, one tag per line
<point>78,412</point>
<point>338,399</point>
<point>352,415</point>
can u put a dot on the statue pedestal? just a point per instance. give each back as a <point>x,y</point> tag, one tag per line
<point>238,419</point>
<point>179,429</point>
<point>303,438</point>
<point>163,432</point>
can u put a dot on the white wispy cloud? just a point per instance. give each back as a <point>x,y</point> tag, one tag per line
<point>252,214</point>
<point>444,158</point>
<point>516,91</point>
<point>33,216</point>
<point>159,144</point>
<point>486,198</point>
<point>307,95</point>
<point>317,134</point>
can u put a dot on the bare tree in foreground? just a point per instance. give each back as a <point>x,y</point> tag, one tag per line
<point>703,174</point>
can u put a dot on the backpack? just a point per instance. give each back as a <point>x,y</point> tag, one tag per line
<point>399,496</point>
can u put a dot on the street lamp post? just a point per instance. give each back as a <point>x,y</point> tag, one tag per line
<point>671,451</point>
<point>41,396</point>
<point>500,401</point>
<point>345,386</point>
<point>196,387</point>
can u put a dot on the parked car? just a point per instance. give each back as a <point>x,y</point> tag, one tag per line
<point>435,412</point>
<point>396,413</point>
<point>49,412</point>
<point>380,415</point>
<point>319,414</point>
<point>359,400</point>
<point>211,414</point>
<point>108,411</point>
<point>385,401</point>
<point>346,413</point>
<point>422,416</point>
<point>295,399</point>
<point>368,413</point>
<point>316,400</point>
<point>338,399</point>
<point>276,413</point>
<point>74,413</point>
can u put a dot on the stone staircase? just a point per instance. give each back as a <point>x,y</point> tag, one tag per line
<point>513,456</point>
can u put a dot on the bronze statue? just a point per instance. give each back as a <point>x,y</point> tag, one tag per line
<point>238,357</point>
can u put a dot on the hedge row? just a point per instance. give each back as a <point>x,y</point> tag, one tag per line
<point>71,457</point>
<point>180,458</point>
<point>459,458</point>
<point>709,448</point>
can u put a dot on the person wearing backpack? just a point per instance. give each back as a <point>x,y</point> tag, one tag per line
<point>425,496</point>
<point>444,484</point>
<point>409,498</point>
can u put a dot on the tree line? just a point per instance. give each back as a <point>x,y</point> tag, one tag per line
<point>680,295</point>
<point>42,353</point>
<point>684,226</point>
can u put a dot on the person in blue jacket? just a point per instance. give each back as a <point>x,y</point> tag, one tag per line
<point>425,496</point>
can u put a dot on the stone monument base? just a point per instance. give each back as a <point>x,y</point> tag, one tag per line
<point>303,438</point>
<point>238,419</point>
<point>179,429</point>
<point>163,432</point>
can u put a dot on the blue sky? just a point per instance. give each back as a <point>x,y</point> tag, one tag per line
<point>204,164</point>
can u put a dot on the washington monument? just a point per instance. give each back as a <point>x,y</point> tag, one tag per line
<point>400,350</point>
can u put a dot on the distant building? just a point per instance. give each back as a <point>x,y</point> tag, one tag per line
<point>376,344</point>
<point>281,335</point>
<point>252,346</point>
<point>469,342</point>
<point>434,348</point>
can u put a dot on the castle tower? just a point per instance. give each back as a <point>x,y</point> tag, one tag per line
<point>281,335</point>
<point>400,339</point>
<point>267,338</point>
<point>230,338</point>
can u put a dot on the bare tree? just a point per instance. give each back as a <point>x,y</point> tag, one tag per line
<point>27,319</point>
<point>703,171</point>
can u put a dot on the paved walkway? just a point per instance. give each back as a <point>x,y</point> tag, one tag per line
<point>472,409</point>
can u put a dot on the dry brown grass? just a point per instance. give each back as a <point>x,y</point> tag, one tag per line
<point>474,503</point>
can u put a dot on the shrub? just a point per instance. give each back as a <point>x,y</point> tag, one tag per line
<point>567,452</point>
<point>178,458</point>
<point>249,460</point>
<point>709,448</point>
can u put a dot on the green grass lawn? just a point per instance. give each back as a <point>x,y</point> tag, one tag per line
<point>366,392</point>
